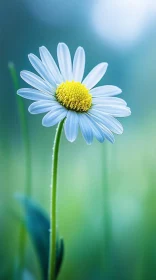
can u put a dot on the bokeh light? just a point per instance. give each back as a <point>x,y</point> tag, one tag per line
<point>122,23</point>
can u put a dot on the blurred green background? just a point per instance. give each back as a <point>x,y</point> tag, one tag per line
<point>106,193</point>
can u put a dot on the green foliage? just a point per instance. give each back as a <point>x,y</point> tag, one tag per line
<point>38,225</point>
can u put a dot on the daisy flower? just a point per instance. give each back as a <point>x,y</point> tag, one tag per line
<point>62,93</point>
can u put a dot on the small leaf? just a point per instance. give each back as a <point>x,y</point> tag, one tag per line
<point>38,225</point>
<point>60,255</point>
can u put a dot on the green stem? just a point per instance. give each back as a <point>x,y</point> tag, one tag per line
<point>52,250</point>
<point>28,179</point>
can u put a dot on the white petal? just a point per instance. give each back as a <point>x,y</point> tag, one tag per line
<point>95,75</point>
<point>85,128</point>
<point>105,91</point>
<point>36,82</point>
<point>79,64</point>
<point>71,126</point>
<point>109,101</point>
<point>40,68</point>
<point>41,106</point>
<point>116,110</point>
<point>64,60</point>
<point>54,117</point>
<point>49,62</point>
<point>97,131</point>
<point>110,122</point>
<point>107,133</point>
<point>34,94</point>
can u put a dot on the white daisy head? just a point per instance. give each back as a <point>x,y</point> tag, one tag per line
<point>63,94</point>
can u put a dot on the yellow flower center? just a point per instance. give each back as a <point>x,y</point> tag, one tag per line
<point>74,96</point>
